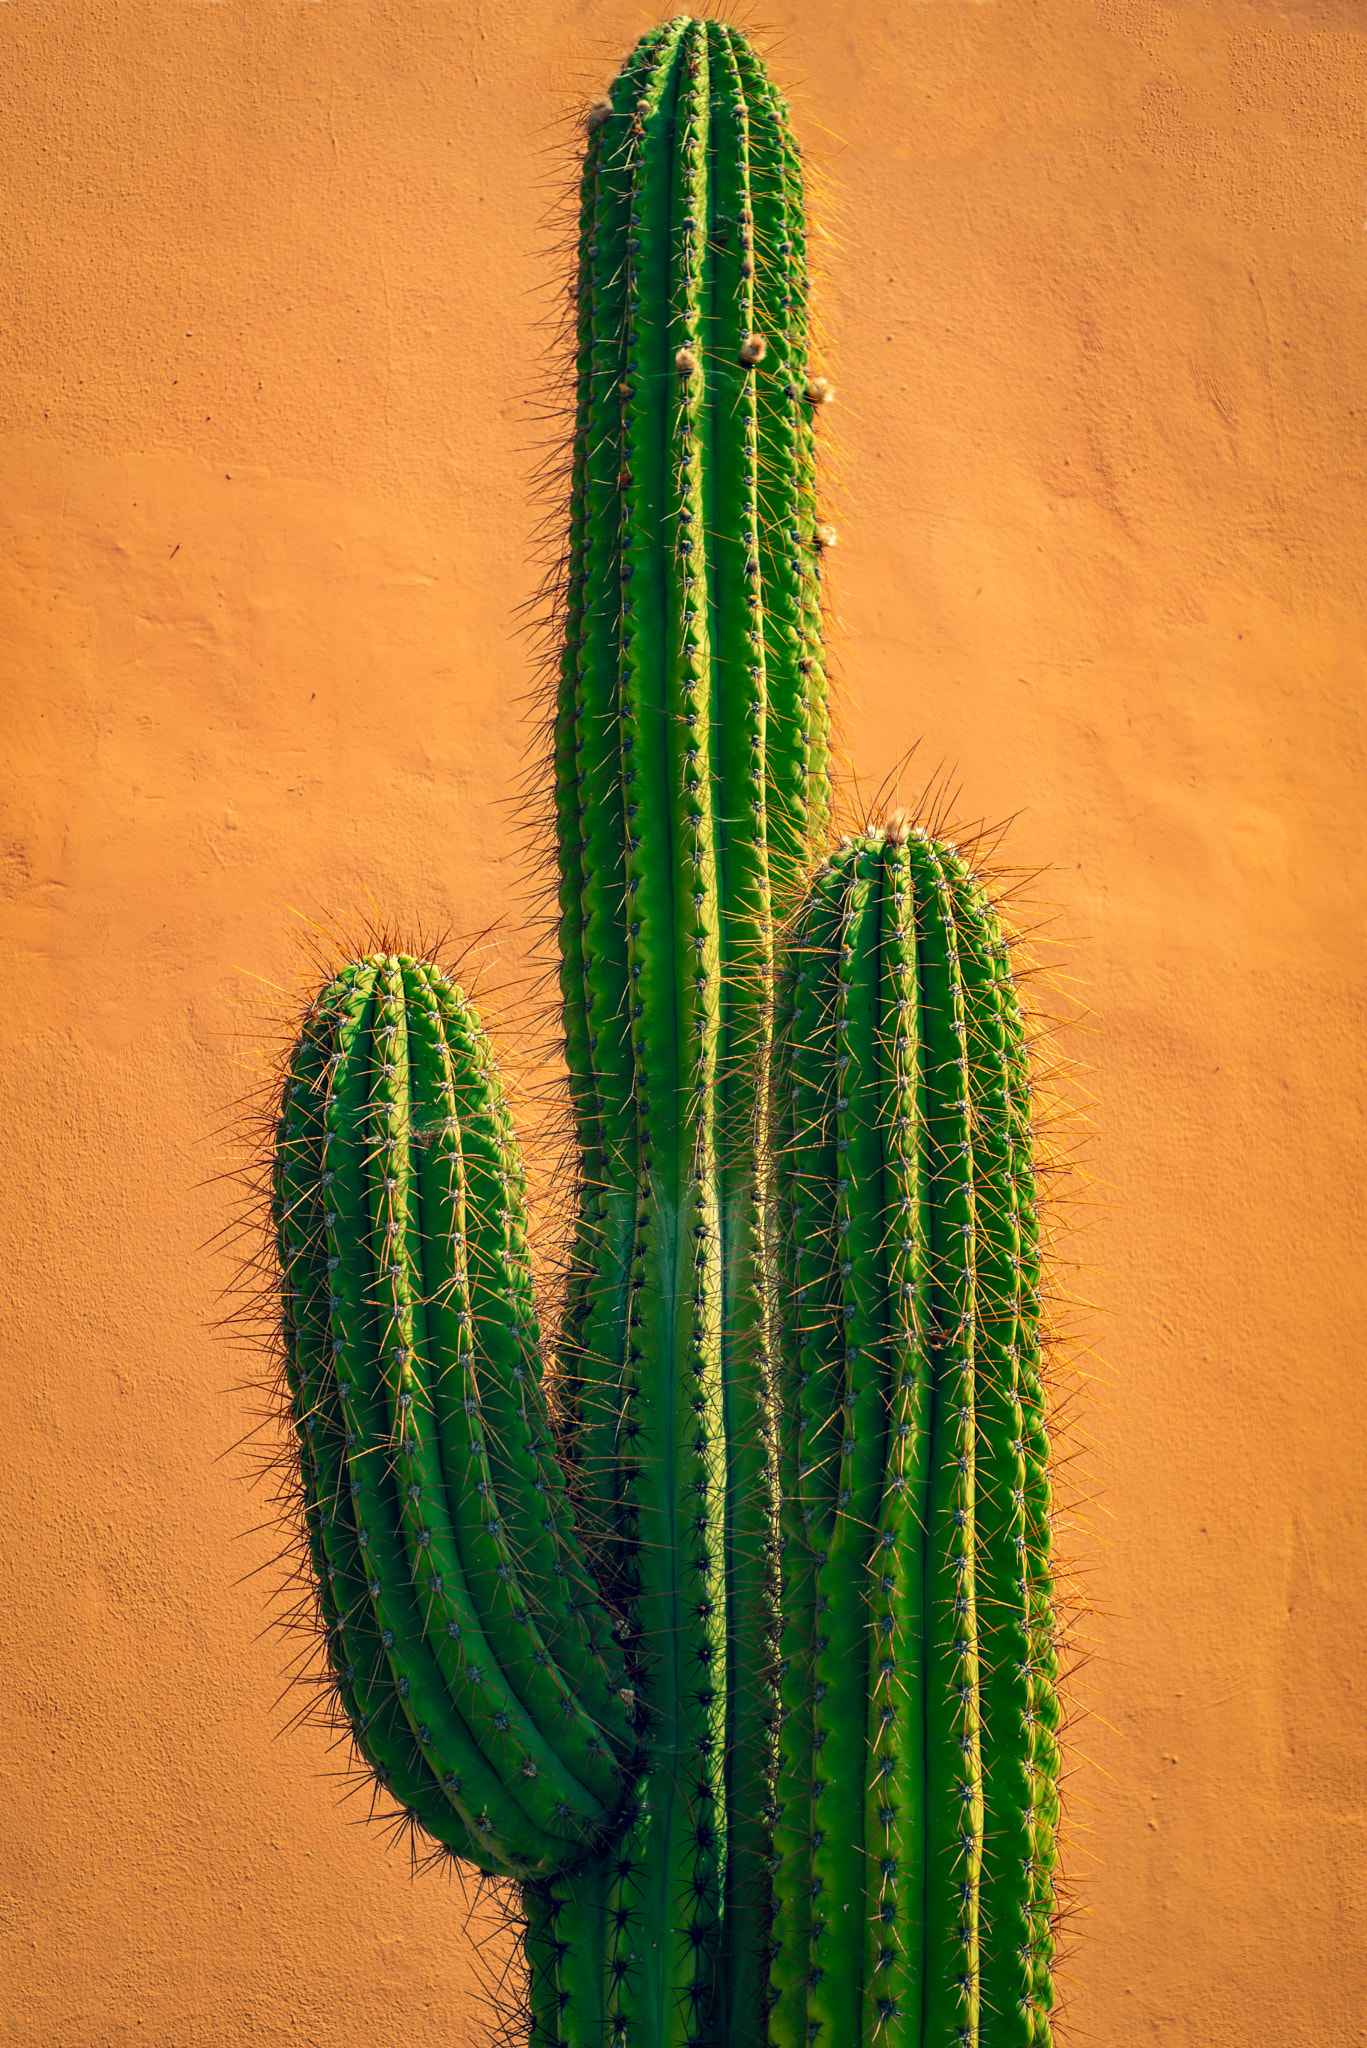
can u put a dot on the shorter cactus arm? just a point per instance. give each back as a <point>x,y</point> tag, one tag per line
<point>364,1688</point>
<point>373,1343</point>
<point>399,1213</point>
<point>909,1362</point>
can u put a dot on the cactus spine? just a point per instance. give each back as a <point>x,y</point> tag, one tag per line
<point>556,1647</point>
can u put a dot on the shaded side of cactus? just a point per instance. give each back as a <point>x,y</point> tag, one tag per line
<point>472,1651</point>
<point>916,1798</point>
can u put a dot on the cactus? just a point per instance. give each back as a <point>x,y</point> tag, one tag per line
<point>592,1629</point>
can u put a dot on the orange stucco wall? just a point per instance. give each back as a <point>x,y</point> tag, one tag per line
<point>270,322</point>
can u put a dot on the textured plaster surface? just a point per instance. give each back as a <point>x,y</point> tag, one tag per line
<point>274,292</point>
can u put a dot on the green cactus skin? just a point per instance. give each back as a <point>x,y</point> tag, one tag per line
<point>691,785</point>
<point>473,1654</point>
<point>917,1752</point>
<point>817,1812</point>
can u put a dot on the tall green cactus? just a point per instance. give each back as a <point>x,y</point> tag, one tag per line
<point>741,1665</point>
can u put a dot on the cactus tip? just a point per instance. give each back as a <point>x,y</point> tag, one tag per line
<point>596,112</point>
<point>825,534</point>
<point>820,391</point>
<point>753,350</point>
<point>685,362</point>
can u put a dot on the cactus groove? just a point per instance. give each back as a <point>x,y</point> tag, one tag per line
<point>745,1669</point>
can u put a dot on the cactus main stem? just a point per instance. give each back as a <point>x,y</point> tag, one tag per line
<point>691,710</point>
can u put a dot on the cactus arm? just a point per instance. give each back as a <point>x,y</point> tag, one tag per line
<point>507,1804</point>
<point>443,1671</point>
<point>454,1762</point>
<point>371,1707</point>
<point>909,1370</point>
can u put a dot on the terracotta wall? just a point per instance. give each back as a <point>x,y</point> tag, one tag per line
<point>273,288</point>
